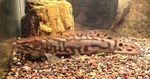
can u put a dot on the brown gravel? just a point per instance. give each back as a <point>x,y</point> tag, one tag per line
<point>98,66</point>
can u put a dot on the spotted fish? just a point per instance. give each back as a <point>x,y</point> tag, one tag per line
<point>75,43</point>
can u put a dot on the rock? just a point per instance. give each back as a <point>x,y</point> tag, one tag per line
<point>66,10</point>
<point>47,17</point>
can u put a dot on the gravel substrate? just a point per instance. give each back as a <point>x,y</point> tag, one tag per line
<point>98,66</point>
<point>85,67</point>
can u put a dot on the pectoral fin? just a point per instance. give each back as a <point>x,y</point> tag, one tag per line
<point>51,58</point>
<point>76,55</point>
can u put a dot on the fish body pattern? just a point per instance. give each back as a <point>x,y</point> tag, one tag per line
<point>75,43</point>
<point>90,33</point>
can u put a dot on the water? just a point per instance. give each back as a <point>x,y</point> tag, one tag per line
<point>5,54</point>
<point>11,12</point>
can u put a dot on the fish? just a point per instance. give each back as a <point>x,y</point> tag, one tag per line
<point>75,43</point>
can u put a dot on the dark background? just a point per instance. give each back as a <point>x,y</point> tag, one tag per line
<point>98,13</point>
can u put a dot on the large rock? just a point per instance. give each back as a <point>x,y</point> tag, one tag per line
<point>66,10</point>
<point>47,17</point>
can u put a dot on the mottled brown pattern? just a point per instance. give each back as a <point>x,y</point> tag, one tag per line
<point>68,44</point>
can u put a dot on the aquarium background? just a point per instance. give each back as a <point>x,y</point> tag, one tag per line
<point>88,14</point>
<point>11,12</point>
<point>10,16</point>
<point>94,13</point>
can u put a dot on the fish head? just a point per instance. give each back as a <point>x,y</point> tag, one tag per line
<point>127,48</point>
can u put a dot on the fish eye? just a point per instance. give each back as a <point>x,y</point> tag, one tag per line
<point>120,44</point>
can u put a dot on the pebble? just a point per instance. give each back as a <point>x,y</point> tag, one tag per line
<point>86,67</point>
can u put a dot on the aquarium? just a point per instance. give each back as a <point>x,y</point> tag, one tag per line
<point>74,39</point>
<point>11,13</point>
